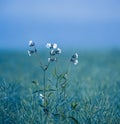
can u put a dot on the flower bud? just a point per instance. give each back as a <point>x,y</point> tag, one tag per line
<point>31,43</point>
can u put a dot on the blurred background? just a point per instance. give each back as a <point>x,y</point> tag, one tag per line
<point>81,24</point>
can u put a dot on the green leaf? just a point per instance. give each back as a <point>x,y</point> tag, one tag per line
<point>50,94</point>
<point>56,114</point>
<point>50,90</point>
<point>74,119</point>
<point>35,82</point>
<point>55,72</point>
<point>63,76</point>
<point>37,91</point>
<point>43,90</point>
<point>74,105</point>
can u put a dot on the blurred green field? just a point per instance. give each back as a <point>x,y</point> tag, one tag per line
<point>94,84</point>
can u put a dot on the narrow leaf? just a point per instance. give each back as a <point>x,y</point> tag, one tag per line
<point>74,119</point>
<point>35,82</point>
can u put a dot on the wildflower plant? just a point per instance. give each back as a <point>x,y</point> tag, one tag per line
<point>54,101</point>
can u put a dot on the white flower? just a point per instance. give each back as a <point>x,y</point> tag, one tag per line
<point>75,56</point>
<point>51,46</point>
<point>58,51</point>
<point>30,52</point>
<point>75,62</point>
<point>48,45</point>
<point>52,59</point>
<point>41,96</point>
<point>54,46</point>
<point>41,100</point>
<point>74,59</point>
<point>31,43</point>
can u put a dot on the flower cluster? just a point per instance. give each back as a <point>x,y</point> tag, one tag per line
<point>51,46</point>
<point>74,59</point>
<point>53,51</point>
<point>32,49</point>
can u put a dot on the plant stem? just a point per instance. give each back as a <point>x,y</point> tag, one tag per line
<point>57,99</point>
<point>44,81</point>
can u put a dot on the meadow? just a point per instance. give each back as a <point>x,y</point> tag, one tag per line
<point>92,88</point>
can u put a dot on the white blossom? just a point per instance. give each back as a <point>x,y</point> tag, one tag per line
<point>52,59</point>
<point>41,99</point>
<point>74,59</point>
<point>58,51</point>
<point>31,43</point>
<point>54,46</point>
<point>30,52</point>
<point>41,96</point>
<point>51,46</point>
<point>48,45</point>
<point>75,56</point>
<point>75,62</point>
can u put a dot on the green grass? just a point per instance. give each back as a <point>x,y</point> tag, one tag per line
<point>94,84</point>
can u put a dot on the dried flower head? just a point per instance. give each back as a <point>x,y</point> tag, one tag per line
<point>31,43</point>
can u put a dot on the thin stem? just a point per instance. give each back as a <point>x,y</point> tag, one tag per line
<point>41,65</point>
<point>44,81</point>
<point>64,95</point>
<point>57,95</point>
<point>69,65</point>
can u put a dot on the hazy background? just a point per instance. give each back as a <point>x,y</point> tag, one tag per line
<point>83,24</point>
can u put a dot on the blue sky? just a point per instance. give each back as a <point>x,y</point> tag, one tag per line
<point>70,23</point>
